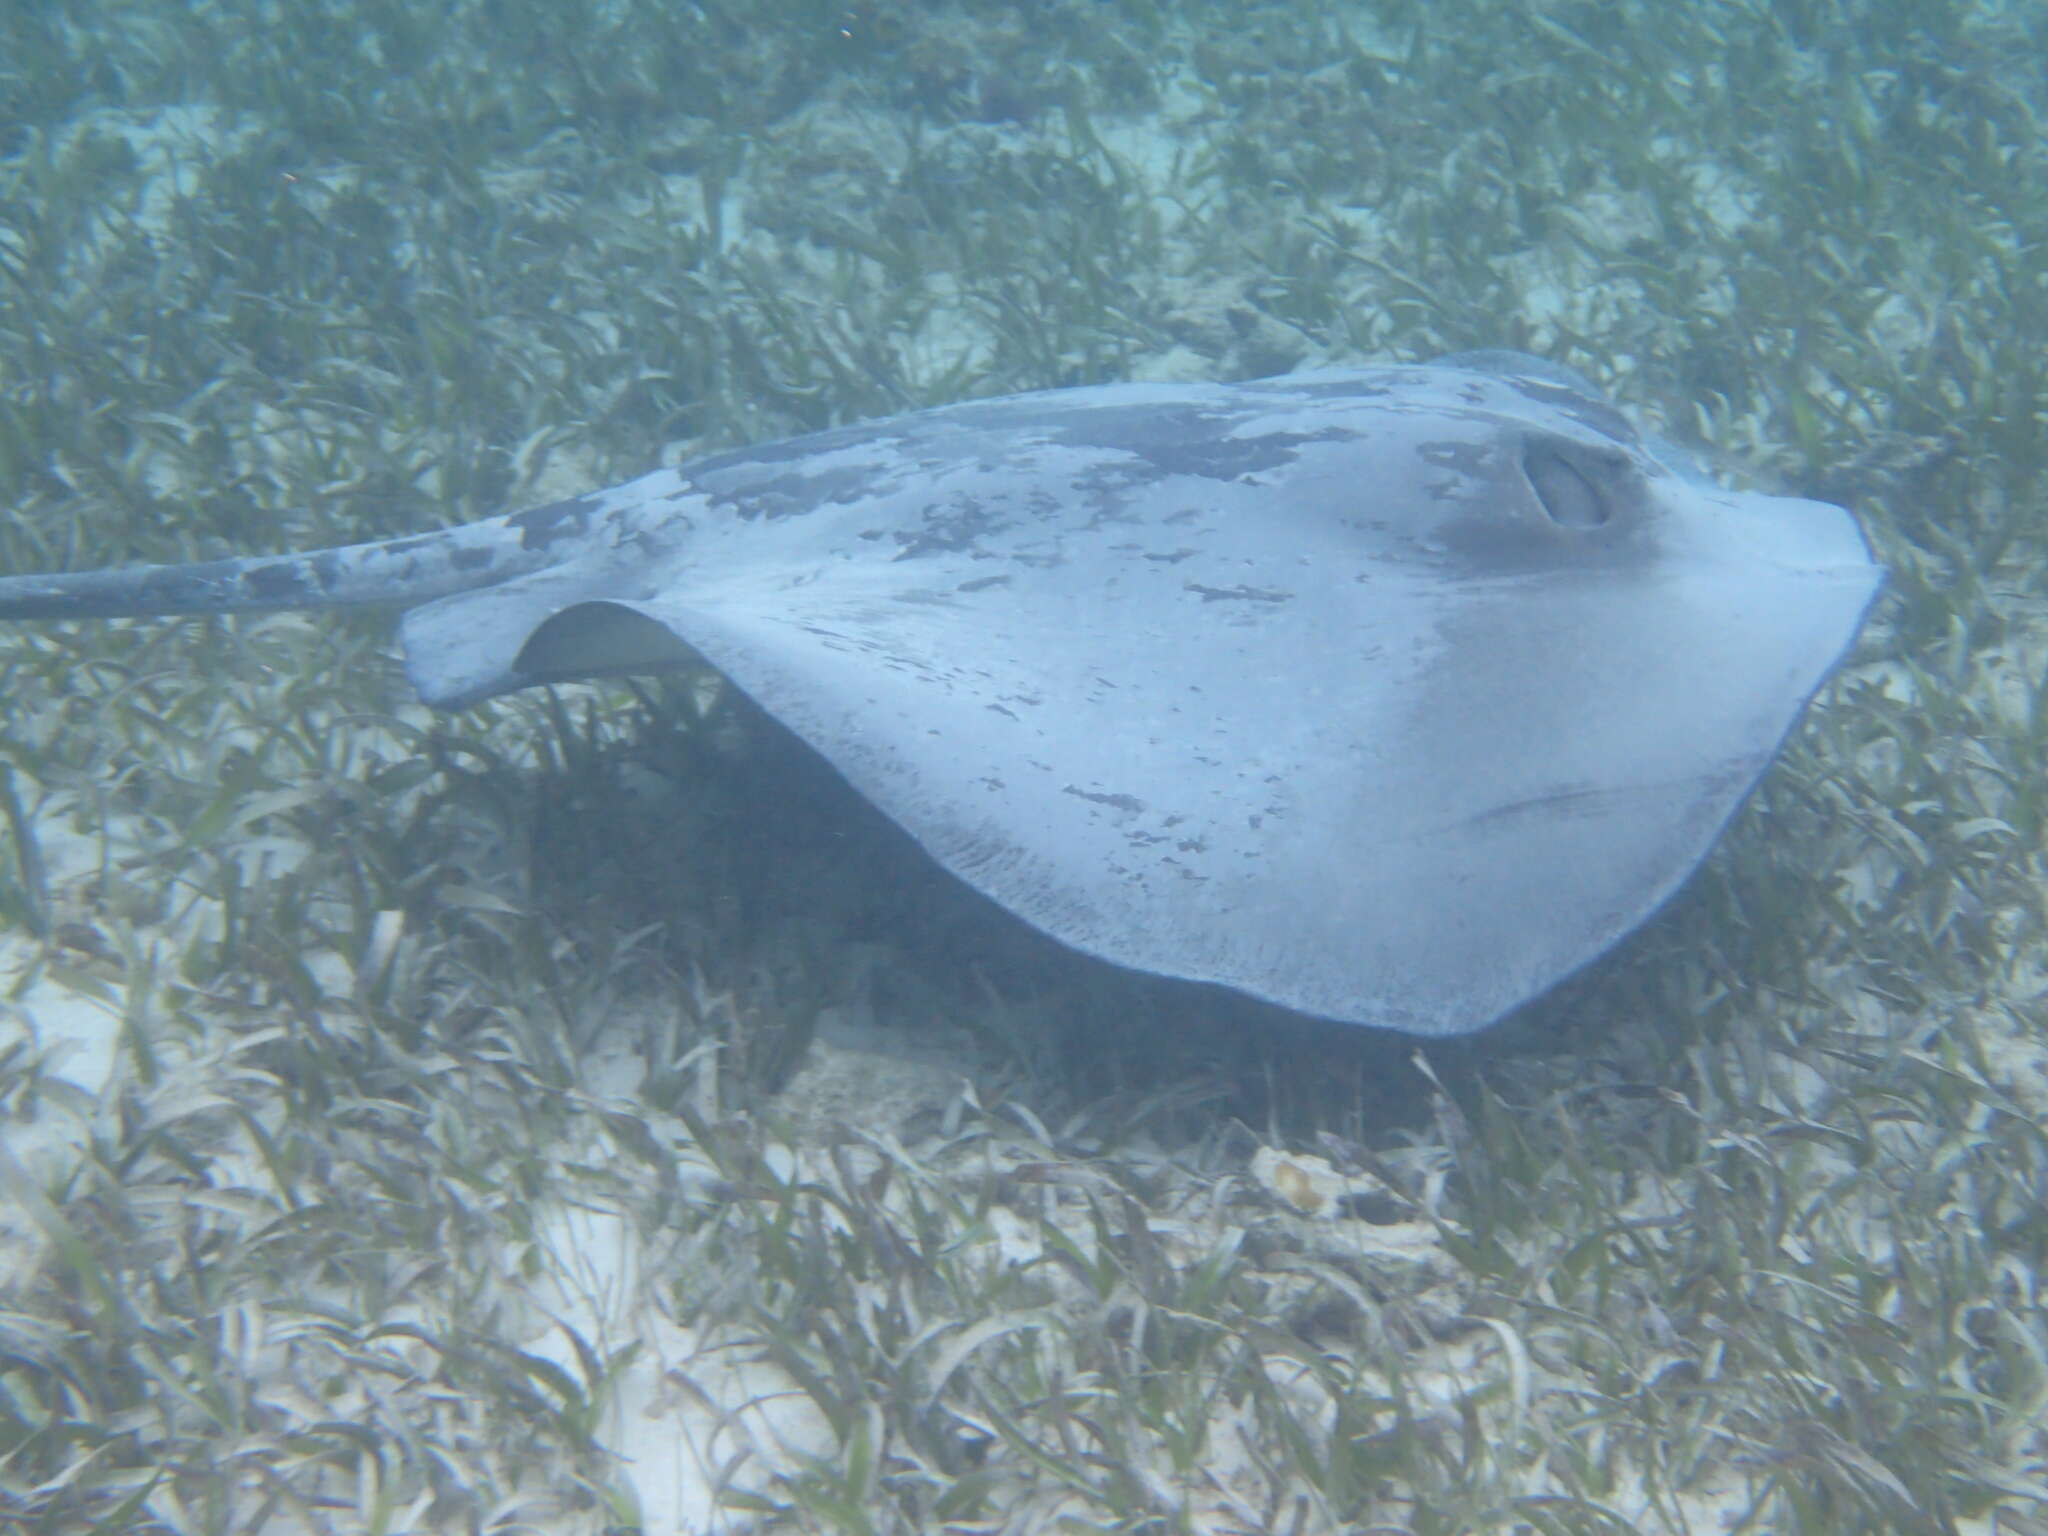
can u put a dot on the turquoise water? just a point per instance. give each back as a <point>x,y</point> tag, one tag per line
<point>316,1006</point>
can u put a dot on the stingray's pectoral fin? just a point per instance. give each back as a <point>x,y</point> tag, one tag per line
<point>471,646</point>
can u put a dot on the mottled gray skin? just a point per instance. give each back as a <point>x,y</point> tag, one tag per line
<point>1392,694</point>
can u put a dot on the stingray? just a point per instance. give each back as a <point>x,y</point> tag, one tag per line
<point>1392,695</point>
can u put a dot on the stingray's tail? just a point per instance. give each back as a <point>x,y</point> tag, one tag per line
<point>398,571</point>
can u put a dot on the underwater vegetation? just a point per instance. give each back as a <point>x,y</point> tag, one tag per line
<point>565,1116</point>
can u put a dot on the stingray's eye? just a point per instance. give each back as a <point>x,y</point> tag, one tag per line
<point>1571,497</point>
